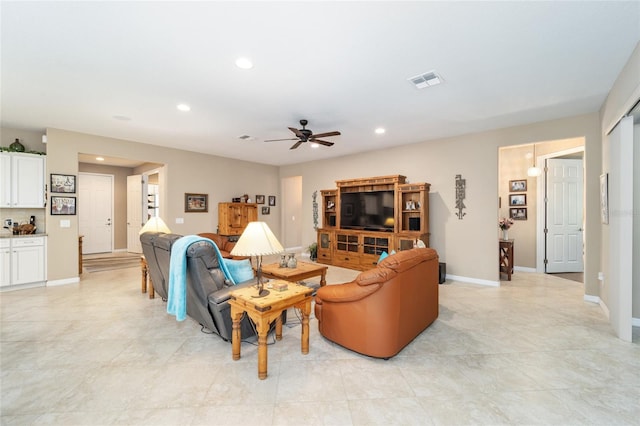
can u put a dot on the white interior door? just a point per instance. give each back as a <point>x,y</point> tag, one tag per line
<point>565,245</point>
<point>95,212</point>
<point>136,211</point>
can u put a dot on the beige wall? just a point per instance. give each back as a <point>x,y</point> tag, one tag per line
<point>622,97</point>
<point>184,171</point>
<point>468,246</point>
<point>119,198</point>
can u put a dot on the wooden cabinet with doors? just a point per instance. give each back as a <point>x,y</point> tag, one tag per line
<point>325,238</point>
<point>234,217</point>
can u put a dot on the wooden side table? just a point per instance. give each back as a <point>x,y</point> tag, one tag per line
<point>506,257</point>
<point>263,311</point>
<point>146,278</point>
<point>301,272</point>
<point>80,254</point>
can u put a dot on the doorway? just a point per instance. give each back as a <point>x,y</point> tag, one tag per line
<point>95,212</point>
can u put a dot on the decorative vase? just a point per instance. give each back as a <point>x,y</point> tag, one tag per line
<point>17,146</point>
<point>292,263</point>
<point>505,234</point>
<point>283,261</point>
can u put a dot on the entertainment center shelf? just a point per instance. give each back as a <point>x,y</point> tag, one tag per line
<point>364,217</point>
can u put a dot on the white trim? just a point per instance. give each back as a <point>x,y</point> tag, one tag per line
<point>635,322</point>
<point>524,269</point>
<point>473,280</point>
<point>63,282</point>
<point>592,299</point>
<point>604,308</point>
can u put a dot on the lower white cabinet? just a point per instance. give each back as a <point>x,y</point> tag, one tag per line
<point>23,260</point>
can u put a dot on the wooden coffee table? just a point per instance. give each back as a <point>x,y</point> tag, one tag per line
<point>302,271</point>
<point>263,311</point>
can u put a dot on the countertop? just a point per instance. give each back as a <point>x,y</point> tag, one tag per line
<point>7,234</point>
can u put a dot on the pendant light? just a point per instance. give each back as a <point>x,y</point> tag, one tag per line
<point>534,171</point>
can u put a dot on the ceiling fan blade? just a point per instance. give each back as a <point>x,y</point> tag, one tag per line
<point>297,132</point>
<point>277,140</point>
<point>325,143</point>
<point>295,145</point>
<point>324,135</point>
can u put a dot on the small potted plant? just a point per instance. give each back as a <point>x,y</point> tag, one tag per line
<point>313,251</point>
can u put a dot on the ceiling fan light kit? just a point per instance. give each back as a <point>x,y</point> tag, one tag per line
<point>306,135</point>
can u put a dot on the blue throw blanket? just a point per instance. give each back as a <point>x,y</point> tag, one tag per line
<point>177,297</point>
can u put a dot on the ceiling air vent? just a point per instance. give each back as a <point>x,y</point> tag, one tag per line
<point>427,79</point>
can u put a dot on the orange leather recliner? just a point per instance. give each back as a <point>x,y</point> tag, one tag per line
<point>383,309</point>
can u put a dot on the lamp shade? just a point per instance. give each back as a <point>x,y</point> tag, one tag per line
<point>257,240</point>
<point>155,224</point>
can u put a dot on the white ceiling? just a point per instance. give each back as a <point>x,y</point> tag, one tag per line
<point>344,66</point>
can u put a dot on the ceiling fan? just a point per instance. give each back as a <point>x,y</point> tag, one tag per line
<point>306,135</point>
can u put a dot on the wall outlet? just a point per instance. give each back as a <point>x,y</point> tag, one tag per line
<point>65,223</point>
<point>601,276</point>
<point>179,220</point>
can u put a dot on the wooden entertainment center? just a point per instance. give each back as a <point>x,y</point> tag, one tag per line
<point>360,246</point>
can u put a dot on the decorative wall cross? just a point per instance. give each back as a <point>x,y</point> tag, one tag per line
<point>315,210</point>
<point>460,196</point>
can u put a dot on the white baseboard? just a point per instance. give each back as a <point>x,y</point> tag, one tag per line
<point>63,282</point>
<point>592,299</point>
<point>473,280</point>
<point>524,269</point>
<point>605,309</point>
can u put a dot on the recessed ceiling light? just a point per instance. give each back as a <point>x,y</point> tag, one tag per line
<point>380,131</point>
<point>244,63</point>
<point>100,158</point>
<point>184,107</point>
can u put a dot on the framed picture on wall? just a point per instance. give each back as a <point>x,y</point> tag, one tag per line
<point>63,206</point>
<point>517,199</point>
<point>519,213</point>
<point>519,185</point>
<point>63,184</point>
<point>272,200</point>
<point>196,203</point>
<point>266,210</point>
<point>259,199</point>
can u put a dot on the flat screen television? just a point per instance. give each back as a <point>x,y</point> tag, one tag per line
<point>370,211</point>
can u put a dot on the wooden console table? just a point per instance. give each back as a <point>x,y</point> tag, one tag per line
<point>263,311</point>
<point>506,257</point>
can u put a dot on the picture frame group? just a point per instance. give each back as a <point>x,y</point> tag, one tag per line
<point>518,213</point>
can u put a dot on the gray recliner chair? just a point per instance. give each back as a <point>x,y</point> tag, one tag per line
<point>208,292</point>
<point>162,247</point>
<point>157,280</point>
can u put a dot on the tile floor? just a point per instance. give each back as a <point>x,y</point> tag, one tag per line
<point>101,353</point>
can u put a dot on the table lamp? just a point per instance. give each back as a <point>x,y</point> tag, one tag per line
<point>257,240</point>
<point>155,224</point>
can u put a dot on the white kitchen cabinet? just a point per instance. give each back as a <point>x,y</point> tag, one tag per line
<point>23,184</point>
<point>5,262</point>
<point>23,260</point>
